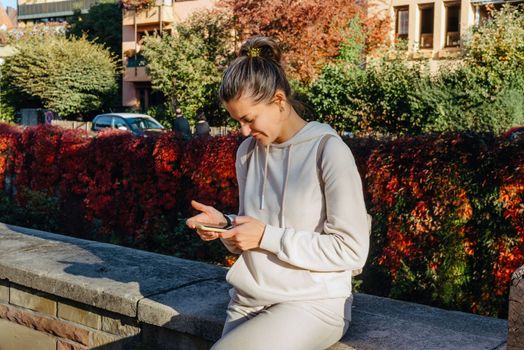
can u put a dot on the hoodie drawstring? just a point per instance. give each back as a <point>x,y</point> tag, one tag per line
<point>264,182</point>
<point>262,199</point>
<point>283,204</point>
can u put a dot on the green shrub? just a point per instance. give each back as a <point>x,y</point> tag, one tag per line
<point>484,92</point>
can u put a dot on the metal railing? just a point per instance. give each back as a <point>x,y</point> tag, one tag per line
<point>426,41</point>
<point>452,39</point>
<point>136,61</point>
<point>51,9</point>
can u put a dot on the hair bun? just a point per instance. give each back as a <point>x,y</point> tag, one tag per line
<point>261,46</point>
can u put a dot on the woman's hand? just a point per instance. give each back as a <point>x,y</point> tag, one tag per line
<point>246,234</point>
<point>208,215</point>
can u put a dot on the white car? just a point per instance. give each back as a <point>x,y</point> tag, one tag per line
<point>138,124</point>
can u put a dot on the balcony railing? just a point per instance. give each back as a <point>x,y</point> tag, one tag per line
<point>426,41</point>
<point>53,9</point>
<point>152,16</point>
<point>452,39</point>
<point>136,61</point>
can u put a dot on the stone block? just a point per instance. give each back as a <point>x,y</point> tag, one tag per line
<point>108,341</point>
<point>67,345</point>
<point>381,323</point>
<point>4,291</point>
<point>124,326</point>
<point>79,315</point>
<point>16,337</point>
<point>516,311</point>
<point>46,324</point>
<point>33,300</point>
<point>197,309</point>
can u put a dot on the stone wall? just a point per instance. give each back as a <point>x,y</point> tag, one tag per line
<point>58,292</point>
<point>30,319</point>
<point>516,311</point>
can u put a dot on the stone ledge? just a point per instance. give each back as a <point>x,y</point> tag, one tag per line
<point>382,323</point>
<point>190,297</point>
<point>516,311</point>
<point>106,276</point>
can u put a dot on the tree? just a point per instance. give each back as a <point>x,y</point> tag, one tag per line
<point>497,45</point>
<point>311,31</point>
<point>68,76</point>
<point>102,24</point>
<point>187,66</point>
<point>486,93</point>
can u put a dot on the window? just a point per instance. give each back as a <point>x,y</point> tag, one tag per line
<point>426,26</point>
<point>401,23</point>
<point>453,25</point>
<point>102,122</point>
<point>484,13</point>
<point>143,124</point>
<point>119,123</point>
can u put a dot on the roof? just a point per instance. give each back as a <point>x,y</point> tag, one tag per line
<point>4,19</point>
<point>127,115</point>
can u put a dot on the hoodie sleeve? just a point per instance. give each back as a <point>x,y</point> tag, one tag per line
<point>344,244</point>
<point>241,172</point>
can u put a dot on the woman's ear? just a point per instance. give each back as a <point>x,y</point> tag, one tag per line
<point>280,99</point>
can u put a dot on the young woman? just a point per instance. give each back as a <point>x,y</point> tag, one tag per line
<point>301,227</point>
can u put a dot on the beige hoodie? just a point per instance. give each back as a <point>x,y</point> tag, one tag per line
<point>309,247</point>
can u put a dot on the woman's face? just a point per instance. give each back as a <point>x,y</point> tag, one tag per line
<point>262,120</point>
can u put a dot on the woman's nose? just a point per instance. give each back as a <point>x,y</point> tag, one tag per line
<point>245,130</point>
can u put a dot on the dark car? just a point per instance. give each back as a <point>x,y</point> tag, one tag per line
<point>516,133</point>
<point>138,124</point>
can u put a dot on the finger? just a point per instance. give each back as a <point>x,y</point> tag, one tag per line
<point>191,222</point>
<point>227,234</point>
<point>239,220</point>
<point>198,206</point>
<point>207,235</point>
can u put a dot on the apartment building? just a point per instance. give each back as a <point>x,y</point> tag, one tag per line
<point>43,11</point>
<point>433,28</point>
<point>136,85</point>
<point>11,13</point>
<point>6,22</point>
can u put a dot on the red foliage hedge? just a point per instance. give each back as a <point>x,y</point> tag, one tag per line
<point>448,209</point>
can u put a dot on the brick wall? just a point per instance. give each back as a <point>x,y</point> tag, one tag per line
<point>33,320</point>
<point>48,322</point>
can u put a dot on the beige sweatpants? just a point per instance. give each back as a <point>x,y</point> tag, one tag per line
<point>297,325</point>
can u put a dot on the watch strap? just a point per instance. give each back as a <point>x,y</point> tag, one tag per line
<point>229,220</point>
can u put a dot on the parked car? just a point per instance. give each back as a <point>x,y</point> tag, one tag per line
<point>138,124</point>
<point>515,133</point>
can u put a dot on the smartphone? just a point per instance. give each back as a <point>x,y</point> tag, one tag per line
<point>210,227</point>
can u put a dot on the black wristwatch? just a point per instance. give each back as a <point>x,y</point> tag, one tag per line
<point>229,221</point>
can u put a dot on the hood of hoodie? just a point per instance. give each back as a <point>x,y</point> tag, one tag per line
<point>311,131</point>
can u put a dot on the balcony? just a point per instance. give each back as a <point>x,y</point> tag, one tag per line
<point>152,16</point>
<point>452,39</point>
<point>136,74</point>
<point>135,69</point>
<point>426,41</point>
<point>53,9</point>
